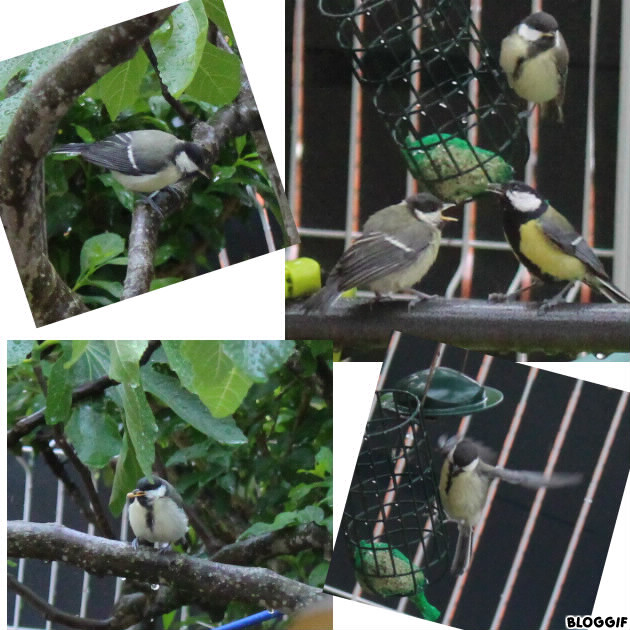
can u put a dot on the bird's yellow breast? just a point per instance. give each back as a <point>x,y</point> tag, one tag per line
<point>547,256</point>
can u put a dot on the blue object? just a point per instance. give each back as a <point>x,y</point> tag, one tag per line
<point>252,620</point>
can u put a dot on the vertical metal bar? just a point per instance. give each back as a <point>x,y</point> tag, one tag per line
<point>26,516</point>
<point>354,149</point>
<point>54,566</point>
<point>621,261</point>
<point>297,113</point>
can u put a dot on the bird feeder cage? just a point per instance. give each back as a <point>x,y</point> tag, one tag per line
<point>438,89</point>
<point>392,522</point>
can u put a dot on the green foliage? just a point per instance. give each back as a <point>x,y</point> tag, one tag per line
<point>84,202</point>
<point>264,466</point>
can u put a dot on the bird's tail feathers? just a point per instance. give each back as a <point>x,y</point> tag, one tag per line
<point>324,298</point>
<point>463,550</point>
<point>609,290</point>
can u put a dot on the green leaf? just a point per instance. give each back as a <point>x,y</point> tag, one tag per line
<point>17,351</point>
<point>94,435</point>
<point>99,249</point>
<point>113,288</point>
<point>139,420</point>
<point>78,349</point>
<point>120,87</point>
<point>215,378</point>
<point>218,77</point>
<point>59,398</point>
<point>188,407</point>
<point>317,577</point>
<point>216,13</point>
<point>125,477</point>
<point>309,514</point>
<point>258,359</point>
<point>180,54</point>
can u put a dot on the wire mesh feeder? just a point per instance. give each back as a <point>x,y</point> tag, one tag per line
<point>439,90</point>
<point>392,523</point>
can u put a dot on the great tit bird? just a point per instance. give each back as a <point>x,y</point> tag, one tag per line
<point>386,572</point>
<point>548,245</point>
<point>156,512</point>
<point>398,246</point>
<point>464,483</point>
<point>142,161</point>
<point>535,58</point>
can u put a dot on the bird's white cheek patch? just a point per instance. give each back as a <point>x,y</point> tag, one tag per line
<point>528,33</point>
<point>523,201</point>
<point>185,163</point>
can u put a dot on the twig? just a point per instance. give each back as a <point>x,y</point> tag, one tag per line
<point>185,115</point>
<point>88,390</point>
<point>52,613</point>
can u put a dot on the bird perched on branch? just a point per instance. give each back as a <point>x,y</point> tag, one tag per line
<point>386,571</point>
<point>535,58</point>
<point>144,161</point>
<point>398,246</point>
<point>156,512</point>
<point>465,479</point>
<point>548,245</point>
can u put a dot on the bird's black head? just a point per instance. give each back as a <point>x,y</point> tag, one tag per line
<point>191,158</point>
<point>542,22</point>
<point>145,484</point>
<point>464,453</point>
<point>520,198</point>
<point>426,207</point>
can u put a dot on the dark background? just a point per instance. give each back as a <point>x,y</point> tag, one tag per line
<point>560,172</point>
<point>546,405</point>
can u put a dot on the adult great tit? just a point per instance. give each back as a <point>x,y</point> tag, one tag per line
<point>156,512</point>
<point>464,483</point>
<point>142,161</point>
<point>535,59</point>
<point>398,246</point>
<point>548,245</point>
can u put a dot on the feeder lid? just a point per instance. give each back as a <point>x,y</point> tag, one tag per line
<point>452,393</point>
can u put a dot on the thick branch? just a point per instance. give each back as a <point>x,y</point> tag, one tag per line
<point>197,581</point>
<point>287,541</point>
<point>28,140</point>
<point>472,324</point>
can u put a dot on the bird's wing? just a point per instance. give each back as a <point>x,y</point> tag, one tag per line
<point>115,154</point>
<point>530,479</point>
<point>563,234</point>
<point>375,255</point>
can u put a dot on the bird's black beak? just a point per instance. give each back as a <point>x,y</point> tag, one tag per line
<point>135,493</point>
<point>497,189</point>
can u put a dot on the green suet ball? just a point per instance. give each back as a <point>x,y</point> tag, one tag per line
<point>452,169</point>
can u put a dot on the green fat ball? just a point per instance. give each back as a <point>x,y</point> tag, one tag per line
<point>386,574</point>
<point>437,160</point>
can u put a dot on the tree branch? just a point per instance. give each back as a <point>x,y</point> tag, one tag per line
<point>256,549</point>
<point>29,138</point>
<point>234,120</point>
<point>197,581</point>
<point>472,324</point>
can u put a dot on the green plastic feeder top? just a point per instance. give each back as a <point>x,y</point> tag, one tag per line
<point>452,393</point>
